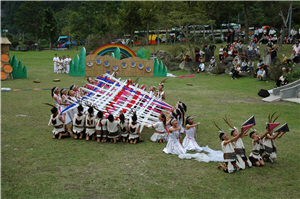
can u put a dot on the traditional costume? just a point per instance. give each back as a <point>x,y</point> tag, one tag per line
<point>240,151</point>
<point>270,148</point>
<point>123,127</point>
<point>101,128</point>
<point>230,158</point>
<point>159,131</point>
<point>78,123</point>
<point>255,155</point>
<point>112,128</point>
<point>90,125</point>
<point>133,130</point>
<point>58,125</point>
<point>173,145</point>
<point>189,142</point>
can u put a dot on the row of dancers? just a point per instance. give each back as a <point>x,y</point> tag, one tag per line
<point>263,148</point>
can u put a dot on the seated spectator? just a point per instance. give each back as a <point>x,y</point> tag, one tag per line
<point>282,81</point>
<point>295,57</point>
<point>234,52</point>
<point>261,74</point>
<point>259,64</point>
<point>285,60</point>
<point>255,39</point>
<point>244,66</point>
<point>236,72</point>
<point>297,48</point>
<point>212,62</point>
<point>201,67</point>
<point>270,43</point>
<point>225,53</point>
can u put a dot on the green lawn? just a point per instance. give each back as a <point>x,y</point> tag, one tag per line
<point>36,166</point>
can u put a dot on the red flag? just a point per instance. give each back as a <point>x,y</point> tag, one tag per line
<point>271,126</point>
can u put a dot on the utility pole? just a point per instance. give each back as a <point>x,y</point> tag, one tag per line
<point>158,34</point>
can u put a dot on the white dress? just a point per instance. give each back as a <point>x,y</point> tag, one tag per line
<point>55,121</point>
<point>241,153</point>
<point>78,122</point>
<point>57,103</point>
<point>189,142</point>
<point>90,125</point>
<point>173,145</point>
<point>68,60</point>
<point>68,117</point>
<point>158,126</point>
<point>133,130</point>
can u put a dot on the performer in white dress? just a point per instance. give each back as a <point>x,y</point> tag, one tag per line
<point>101,130</point>
<point>78,122</point>
<point>255,156</point>
<point>112,128</point>
<point>123,123</point>
<point>160,127</point>
<point>189,142</point>
<point>55,60</point>
<point>90,124</point>
<point>134,130</point>
<point>239,149</point>
<point>174,146</point>
<point>160,93</point>
<point>57,121</point>
<point>56,98</point>
<point>64,104</point>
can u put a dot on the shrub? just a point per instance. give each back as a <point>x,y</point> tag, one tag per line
<point>14,43</point>
<point>293,76</point>
<point>219,41</point>
<point>175,50</point>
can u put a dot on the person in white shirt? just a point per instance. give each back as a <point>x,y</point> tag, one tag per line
<point>55,60</point>
<point>272,32</point>
<point>260,32</point>
<point>256,32</point>
<point>212,62</point>
<point>221,53</point>
<point>68,61</point>
<point>59,65</point>
<point>297,48</point>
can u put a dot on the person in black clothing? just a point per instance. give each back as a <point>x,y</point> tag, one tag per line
<point>273,51</point>
<point>212,49</point>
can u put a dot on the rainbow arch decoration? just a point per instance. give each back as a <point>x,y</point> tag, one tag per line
<point>108,48</point>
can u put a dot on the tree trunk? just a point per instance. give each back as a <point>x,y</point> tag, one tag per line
<point>246,24</point>
<point>211,26</point>
<point>147,39</point>
<point>281,39</point>
<point>167,36</point>
<point>50,45</point>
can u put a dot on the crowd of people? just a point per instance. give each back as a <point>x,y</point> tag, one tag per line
<point>62,64</point>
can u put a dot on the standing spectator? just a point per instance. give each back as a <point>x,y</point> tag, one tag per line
<point>55,60</point>
<point>221,53</point>
<point>232,35</point>
<point>228,36</point>
<point>250,64</point>
<point>68,61</point>
<point>272,32</point>
<point>274,51</point>
<point>212,48</point>
<point>257,52</point>
<point>260,33</point>
<point>256,33</point>
<point>270,43</point>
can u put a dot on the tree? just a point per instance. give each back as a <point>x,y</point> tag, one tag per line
<point>211,7</point>
<point>129,18</point>
<point>148,14</point>
<point>49,25</point>
<point>29,19</point>
<point>246,22</point>
<point>285,22</point>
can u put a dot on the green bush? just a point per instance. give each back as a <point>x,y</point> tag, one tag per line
<point>219,41</point>
<point>15,43</point>
<point>292,76</point>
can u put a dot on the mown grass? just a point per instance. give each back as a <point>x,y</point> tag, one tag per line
<point>36,166</point>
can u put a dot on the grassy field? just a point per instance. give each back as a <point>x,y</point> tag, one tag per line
<point>34,165</point>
